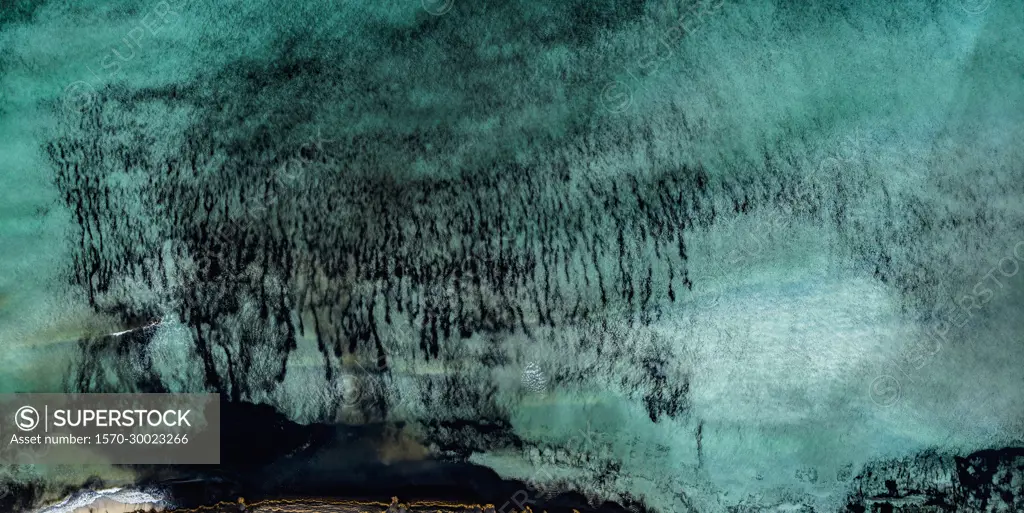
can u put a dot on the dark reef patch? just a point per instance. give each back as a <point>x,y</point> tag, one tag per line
<point>18,11</point>
<point>987,480</point>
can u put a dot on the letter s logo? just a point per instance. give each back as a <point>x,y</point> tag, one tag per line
<point>26,418</point>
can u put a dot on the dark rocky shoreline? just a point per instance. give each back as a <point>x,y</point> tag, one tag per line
<point>265,456</point>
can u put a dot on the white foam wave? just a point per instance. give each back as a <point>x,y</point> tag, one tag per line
<point>85,498</point>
